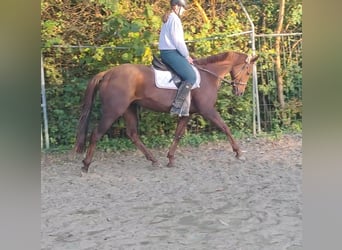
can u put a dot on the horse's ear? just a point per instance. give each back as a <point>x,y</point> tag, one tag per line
<point>251,59</point>
<point>254,58</point>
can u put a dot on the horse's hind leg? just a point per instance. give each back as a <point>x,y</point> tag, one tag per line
<point>104,124</point>
<point>180,130</point>
<point>131,120</point>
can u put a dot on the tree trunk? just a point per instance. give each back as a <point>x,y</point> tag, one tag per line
<point>279,76</point>
<point>201,11</point>
<point>213,8</point>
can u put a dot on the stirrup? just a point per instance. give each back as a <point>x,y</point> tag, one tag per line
<point>179,112</point>
<point>175,111</point>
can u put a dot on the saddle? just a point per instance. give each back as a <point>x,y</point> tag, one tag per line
<point>166,78</point>
<point>159,65</point>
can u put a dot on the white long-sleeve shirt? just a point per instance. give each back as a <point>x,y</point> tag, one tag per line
<point>172,36</point>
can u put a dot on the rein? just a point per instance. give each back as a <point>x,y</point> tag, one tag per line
<point>232,83</point>
<point>212,73</point>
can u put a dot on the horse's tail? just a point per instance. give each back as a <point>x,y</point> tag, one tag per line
<point>83,123</point>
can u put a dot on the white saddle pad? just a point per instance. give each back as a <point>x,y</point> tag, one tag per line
<point>163,79</point>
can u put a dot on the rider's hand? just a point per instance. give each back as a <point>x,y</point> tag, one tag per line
<point>190,60</point>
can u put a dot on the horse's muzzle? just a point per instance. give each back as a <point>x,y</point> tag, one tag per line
<point>237,92</point>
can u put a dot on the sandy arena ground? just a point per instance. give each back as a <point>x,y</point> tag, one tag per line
<point>209,201</point>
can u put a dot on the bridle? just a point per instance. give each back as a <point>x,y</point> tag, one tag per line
<point>234,82</point>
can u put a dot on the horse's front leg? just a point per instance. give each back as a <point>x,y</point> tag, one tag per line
<point>180,130</point>
<point>131,119</point>
<point>217,120</point>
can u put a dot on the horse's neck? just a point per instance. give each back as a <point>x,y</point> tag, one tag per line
<point>221,69</point>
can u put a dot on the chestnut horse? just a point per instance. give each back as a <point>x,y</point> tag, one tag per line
<point>123,87</point>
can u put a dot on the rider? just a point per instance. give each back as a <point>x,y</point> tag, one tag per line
<point>175,54</point>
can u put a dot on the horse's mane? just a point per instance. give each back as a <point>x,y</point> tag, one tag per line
<point>219,57</point>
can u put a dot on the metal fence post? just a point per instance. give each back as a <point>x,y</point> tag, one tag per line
<point>43,105</point>
<point>256,109</point>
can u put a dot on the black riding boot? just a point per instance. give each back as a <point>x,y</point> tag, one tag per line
<point>177,105</point>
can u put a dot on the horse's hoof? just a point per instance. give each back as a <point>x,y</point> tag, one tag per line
<point>240,157</point>
<point>84,170</point>
<point>170,165</point>
<point>156,164</point>
<point>85,166</point>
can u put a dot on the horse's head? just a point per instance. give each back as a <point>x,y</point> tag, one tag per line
<point>240,74</point>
